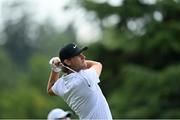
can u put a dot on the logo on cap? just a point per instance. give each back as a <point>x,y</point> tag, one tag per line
<point>74,46</point>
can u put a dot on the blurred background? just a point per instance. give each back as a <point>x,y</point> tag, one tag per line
<point>135,40</point>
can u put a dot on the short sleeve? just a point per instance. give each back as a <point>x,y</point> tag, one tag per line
<point>91,74</point>
<point>56,86</point>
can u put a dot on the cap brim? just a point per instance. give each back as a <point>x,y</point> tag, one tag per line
<point>69,114</point>
<point>84,48</point>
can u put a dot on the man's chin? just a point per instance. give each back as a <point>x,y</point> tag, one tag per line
<point>84,68</point>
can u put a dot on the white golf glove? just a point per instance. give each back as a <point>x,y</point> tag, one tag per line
<point>55,64</point>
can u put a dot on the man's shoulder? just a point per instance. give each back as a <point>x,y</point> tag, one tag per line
<point>88,70</point>
<point>69,76</point>
<point>89,73</point>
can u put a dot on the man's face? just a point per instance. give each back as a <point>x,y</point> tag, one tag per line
<point>78,62</point>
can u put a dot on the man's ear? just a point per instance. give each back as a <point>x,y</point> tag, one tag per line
<point>67,62</point>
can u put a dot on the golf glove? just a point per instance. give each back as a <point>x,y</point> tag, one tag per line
<point>55,64</point>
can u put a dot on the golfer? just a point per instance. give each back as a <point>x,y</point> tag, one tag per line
<point>78,86</point>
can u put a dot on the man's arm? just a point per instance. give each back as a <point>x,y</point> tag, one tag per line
<point>96,65</point>
<point>54,76</point>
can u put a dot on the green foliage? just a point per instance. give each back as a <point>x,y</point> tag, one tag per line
<point>39,71</point>
<point>147,93</point>
<point>140,56</point>
<point>7,71</point>
<point>49,39</point>
<point>25,68</point>
<point>17,37</point>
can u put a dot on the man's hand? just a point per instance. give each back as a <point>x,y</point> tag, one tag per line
<point>55,64</point>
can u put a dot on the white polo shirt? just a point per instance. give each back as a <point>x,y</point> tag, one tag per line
<point>83,94</point>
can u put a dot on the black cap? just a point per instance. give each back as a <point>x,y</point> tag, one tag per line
<point>70,50</point>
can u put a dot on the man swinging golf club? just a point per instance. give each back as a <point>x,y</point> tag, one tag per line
<point>79,85</point>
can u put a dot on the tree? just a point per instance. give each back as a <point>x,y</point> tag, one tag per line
<point>16,30</point>
<point>140,42</point>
